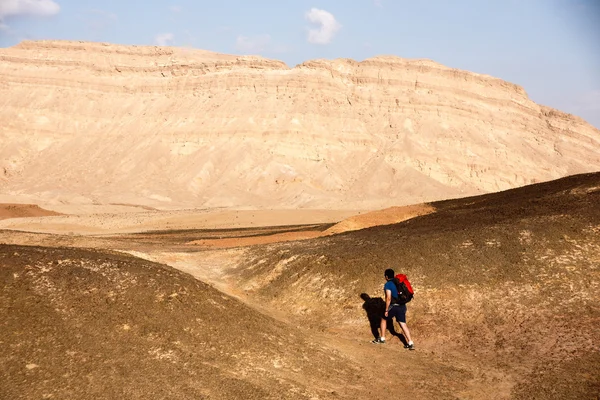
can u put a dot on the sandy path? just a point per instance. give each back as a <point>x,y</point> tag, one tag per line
<point>471,378</point>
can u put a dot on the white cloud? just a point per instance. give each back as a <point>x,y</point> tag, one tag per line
<point>18,8</point>
<point>9,8</point>
<point>175,9</point>
<point>164,39</point>
<point>378,3</point>
<point>254,44</point>
<point>328,26</point>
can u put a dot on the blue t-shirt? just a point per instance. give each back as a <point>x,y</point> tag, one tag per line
<point>391,286</point>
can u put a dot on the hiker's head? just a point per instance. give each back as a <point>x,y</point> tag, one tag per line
<point>389,274</point>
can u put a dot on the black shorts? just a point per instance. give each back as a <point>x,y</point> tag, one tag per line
<point>398,312</point>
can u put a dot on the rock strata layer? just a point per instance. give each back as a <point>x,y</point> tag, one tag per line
<point>170,128</point>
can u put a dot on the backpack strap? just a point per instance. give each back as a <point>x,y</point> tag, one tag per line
<point>395,301</point>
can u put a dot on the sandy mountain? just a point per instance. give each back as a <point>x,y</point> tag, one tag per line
<point>95,123</point>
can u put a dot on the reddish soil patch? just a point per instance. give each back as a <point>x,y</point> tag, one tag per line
<point>23,211</point>
<point>389,216</point>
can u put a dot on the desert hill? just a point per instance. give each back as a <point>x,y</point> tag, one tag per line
<point>80,324</point>
<point>510,279</point>
<point>95,123</point>
<point>505,306</point>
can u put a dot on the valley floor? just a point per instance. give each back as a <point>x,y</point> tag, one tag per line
<point>206,245</point>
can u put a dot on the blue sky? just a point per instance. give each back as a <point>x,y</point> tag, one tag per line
<point>550,47</point>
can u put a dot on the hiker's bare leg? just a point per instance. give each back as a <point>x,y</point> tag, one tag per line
<point>406,331</point>
<point>383,327</point>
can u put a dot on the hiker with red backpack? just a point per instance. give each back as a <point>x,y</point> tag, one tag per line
<point>397,292</point>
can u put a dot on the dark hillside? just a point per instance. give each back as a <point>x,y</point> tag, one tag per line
<point>80,324</point>
<point>511,279</point>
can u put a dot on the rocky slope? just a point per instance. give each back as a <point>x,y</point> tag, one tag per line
<point>80,324</point>
<point>510,279</point>
<point>167,127</point>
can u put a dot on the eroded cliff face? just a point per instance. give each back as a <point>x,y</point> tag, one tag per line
<point>171,127</point>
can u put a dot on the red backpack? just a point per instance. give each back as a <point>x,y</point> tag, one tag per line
<point>405,290</point>
<point>403,278</point>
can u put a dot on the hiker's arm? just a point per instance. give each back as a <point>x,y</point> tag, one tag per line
<point>388,300</point>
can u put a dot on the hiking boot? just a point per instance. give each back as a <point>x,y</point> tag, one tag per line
<point>378,341</point>
<point>409,346</point>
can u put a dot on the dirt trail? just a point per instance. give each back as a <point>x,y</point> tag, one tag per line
<point>459,375</point>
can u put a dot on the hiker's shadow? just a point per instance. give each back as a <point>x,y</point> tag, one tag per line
<point>375,308</point>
